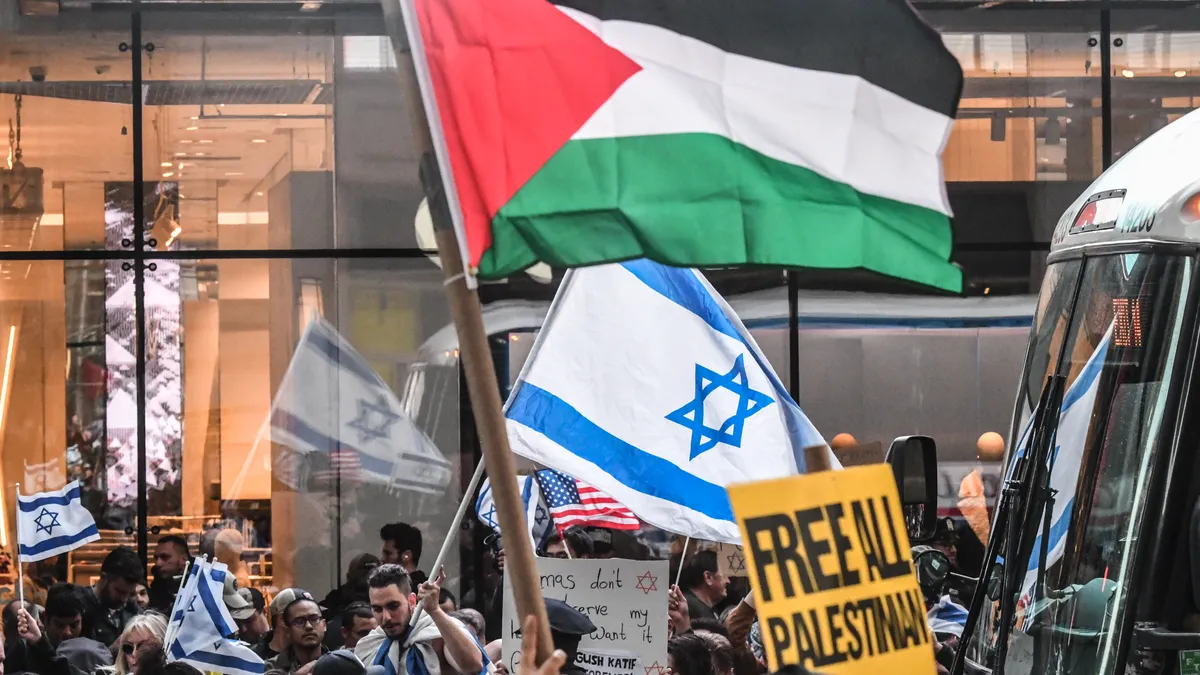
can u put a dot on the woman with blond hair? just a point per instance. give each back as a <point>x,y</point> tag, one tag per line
<point>142,635</point>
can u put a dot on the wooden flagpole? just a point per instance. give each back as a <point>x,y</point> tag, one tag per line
<point>475,354</point>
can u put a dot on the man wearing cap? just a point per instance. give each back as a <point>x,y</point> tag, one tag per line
<point>435,641</point>
<point>567,627</point>
<point>276,640</point>
<point>240,607</point>
<point>306,632</point>
<point>252,620</point>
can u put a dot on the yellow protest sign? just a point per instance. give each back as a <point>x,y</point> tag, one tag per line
<point>832,571</point>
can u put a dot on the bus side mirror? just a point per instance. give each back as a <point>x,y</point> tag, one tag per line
<point>914,463</point>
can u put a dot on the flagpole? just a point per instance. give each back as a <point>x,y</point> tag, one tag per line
<point>682,554</point>
<point>452,533</point>
<point>480,372</point>
<point>172,629</point>
<point>20,567</point>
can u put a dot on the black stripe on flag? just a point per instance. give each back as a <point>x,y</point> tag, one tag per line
<point>883,41</point>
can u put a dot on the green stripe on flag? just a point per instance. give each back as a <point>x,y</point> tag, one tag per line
<point>702,200</point>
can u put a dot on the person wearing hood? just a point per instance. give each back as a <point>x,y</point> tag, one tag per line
<point>423,647</point>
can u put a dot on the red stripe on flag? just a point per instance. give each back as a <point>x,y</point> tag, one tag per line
<point>514,80</point>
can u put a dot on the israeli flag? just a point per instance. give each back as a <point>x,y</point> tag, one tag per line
<point>332,401</point>
<point>645,384</point>
<point>537,516</point>
<point>202,626</point>
<point>1070,440</point>
<point>50,523</point>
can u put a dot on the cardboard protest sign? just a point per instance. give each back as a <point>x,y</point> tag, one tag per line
<point>731,560</point>
<point>625,599</point>
<point>860,455</point>
<point>832,572</point>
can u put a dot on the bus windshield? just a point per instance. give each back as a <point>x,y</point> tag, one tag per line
<point>1111,325</point>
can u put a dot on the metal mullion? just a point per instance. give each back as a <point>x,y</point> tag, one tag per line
<point>139,273</point>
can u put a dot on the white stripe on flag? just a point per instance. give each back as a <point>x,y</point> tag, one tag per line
<point>51,523</point>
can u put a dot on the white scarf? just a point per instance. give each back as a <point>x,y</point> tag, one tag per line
<point>422,635</point>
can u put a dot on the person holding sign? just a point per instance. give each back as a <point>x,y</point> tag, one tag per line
<point>433,642</point>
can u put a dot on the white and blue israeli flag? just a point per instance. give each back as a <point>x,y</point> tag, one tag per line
<point>1074,422</point>
<point>645,384</point>
<point>201,626</point>
<point>50,523</point>
<point>332,403</point>
<point>537,515</point>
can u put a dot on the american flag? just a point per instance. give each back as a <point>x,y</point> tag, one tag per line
<point>344,465</point>
<point>573,502</point>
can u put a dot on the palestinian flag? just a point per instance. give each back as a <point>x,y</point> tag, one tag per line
<point>698,133</point>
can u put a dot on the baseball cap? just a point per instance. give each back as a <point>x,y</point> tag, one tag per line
<point>344,662</point>
<point>286,597</point>
<point>239,607</point>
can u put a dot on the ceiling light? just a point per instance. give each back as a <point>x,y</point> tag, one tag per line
<point>200,154</point>
<point>181,154</point>
<point>259,140</point>
<point>234,173</point>
<point>195,118</point>
<point>1181,73</point>
<point>168,174</point>
<point>205,141</point>
<point>259,194</point>
<point>195,128</point>
<point>165,164</point>
<point>1127,73</point>
<point>185,141</point>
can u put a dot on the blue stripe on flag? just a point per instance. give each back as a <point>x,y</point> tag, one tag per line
<point>681,287</point>
<point>219,660</point>
<point>1058,530</point>
<point>72,495</point>
<point>554,418</point>
<point>210,606</point>
<point>424,459</point>
<point>331,350</point>
<point>326,444</point>
<point>55,542</point>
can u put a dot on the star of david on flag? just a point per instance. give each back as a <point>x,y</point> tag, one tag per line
<point>662,418</point>
<point>691,415</point>
<point>338,420</point>
<point>537,515</point>
<point>50,523</point>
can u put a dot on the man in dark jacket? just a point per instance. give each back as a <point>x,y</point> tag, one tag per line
<point>110,604</point>
<point>170,559</point>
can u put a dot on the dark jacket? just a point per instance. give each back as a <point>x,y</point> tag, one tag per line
<point>263,647</point>
<point>99,623</point>
<point>286,660</point>
<point>163,591</point>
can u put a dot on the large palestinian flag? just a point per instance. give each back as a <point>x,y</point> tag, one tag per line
<point>700,133</point>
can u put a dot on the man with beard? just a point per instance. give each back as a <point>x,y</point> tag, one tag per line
<point>110,604</point>
<point>170,558</point>
<point>306,631</point>
<point>435,642</point>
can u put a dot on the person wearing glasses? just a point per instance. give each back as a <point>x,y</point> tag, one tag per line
<point>144,633</point>
<point>306,636</point>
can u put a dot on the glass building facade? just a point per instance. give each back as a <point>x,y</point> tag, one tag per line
<point>232,184</point>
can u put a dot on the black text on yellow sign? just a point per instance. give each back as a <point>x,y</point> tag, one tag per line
<point>832,572</point>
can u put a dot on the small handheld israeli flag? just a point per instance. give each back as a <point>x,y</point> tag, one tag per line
<point>201,626</point>
<point>537,515</point>
<point>50,523</point>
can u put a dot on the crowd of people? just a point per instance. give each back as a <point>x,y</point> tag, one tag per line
<point>118,624</point>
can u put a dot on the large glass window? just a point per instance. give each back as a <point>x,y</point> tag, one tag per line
<point>1116,342</point>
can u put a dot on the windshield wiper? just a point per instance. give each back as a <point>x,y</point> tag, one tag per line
<point>1021,506</point>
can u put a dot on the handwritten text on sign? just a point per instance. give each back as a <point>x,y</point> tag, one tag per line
<point>625,599</point>
<point>832,572</point>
